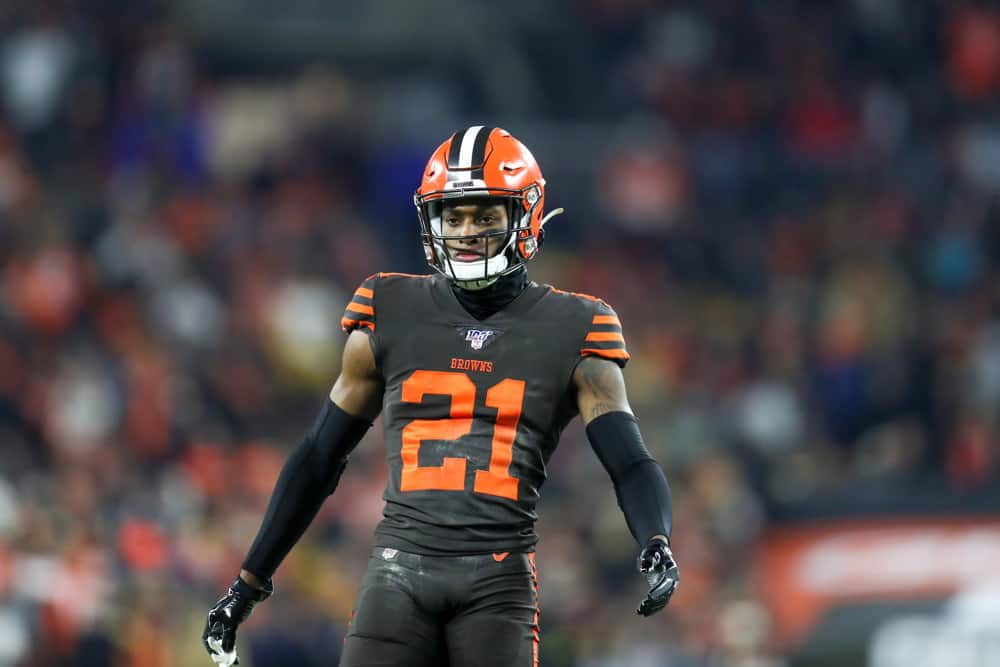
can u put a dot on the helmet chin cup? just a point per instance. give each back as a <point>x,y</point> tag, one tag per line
<point>487,269</point>
<point>482,269</point>
<point>479,273</point>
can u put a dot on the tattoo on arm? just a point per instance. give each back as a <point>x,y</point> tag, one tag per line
<point>601,388</point>
<point>598,409</point>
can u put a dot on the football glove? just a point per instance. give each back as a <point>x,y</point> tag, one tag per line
<point>232,609</point>
<point>656,563</point>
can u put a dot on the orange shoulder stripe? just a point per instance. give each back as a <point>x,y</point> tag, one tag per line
<point>579,294</point>
<point>360,308</point>
<point>606,319</point>
<point>365,292</point>
<point>605,336</point>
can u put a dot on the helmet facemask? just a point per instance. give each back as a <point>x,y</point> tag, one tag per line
<point>511,240</point>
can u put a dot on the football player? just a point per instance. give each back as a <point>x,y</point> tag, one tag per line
<point>476,370</point>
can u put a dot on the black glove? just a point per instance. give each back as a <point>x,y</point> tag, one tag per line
<point>657,563</point>
<point>219,636</point>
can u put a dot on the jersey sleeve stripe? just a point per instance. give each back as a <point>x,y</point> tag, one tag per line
<point>361,308</point>
<point>347,324</point>
<point>607,319</point>
<point>605,336</point>
<point>615,353</point>
<point>363,300</point>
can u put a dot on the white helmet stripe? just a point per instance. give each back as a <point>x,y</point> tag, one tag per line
<point>468,146</point>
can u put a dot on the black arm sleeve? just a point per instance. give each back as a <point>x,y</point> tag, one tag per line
<point>641,486</point>
<point>309,475</point>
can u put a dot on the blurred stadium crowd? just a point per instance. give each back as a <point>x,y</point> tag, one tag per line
<point>791,205</point>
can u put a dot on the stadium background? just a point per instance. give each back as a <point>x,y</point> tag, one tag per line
<point>792,206</point>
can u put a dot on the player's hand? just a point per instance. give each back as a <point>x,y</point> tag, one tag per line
<point>232,609</point>
<point>656,563</point>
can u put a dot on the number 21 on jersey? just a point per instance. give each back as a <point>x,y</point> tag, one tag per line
<point>507,396</point>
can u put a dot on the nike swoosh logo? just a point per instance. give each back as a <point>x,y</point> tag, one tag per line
<point>499,557</point>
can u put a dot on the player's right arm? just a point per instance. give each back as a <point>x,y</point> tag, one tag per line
<point>313,468</point>
<point>309,475</point>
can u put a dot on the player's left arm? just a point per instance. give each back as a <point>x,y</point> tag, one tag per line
<point>641,486</point>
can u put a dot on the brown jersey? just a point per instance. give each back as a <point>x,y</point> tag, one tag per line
<point>473,409</point>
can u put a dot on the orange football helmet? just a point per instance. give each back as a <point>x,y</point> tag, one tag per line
<point>482,162</point>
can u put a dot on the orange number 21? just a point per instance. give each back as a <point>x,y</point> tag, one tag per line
<point>507,397</point>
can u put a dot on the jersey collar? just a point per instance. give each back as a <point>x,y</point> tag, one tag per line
<point>485,302</point>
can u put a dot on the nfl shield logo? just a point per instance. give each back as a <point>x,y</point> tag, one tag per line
<point>478,337</point>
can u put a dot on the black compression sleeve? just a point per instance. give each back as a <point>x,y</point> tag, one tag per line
<point>309,475</point>
<point>641,486</point>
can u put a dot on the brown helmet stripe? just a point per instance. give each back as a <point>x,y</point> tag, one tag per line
<point>455,149</point>
<point>479,153</point>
